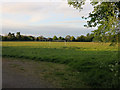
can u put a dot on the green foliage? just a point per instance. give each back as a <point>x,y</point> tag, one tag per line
<point>105,16</point>
<point>60,38</point>
<point>97,68</point>
<point>40,38</point>
<point>18,36</point>
<point>55,38</point>
<point>72,38</point>
<point>77,4</point>
<point>97,39</point>
<point>88,38</point>
<point>68,37</point>
<point>49,39</point>
<point>10,37</point>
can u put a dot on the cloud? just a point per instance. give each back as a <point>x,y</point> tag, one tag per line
<point>40,11</point>
<point>45,15</point>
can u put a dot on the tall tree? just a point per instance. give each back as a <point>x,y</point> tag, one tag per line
<point>18,36</point>
<point>105,16</point>
<point>55,38</point>
<point>11,37</point>
<point>41,37</point>
<point>60,38</point>
<point>72,38</point>
<point>68,37</point>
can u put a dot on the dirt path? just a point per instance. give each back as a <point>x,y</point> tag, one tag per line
<point>19,74</point>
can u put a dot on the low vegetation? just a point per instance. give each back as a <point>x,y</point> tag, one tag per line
<point>96,63</point>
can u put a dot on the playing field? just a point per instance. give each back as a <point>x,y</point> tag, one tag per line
<point>96,62</point>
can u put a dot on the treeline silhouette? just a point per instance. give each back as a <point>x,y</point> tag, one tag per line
<point>88,38</point>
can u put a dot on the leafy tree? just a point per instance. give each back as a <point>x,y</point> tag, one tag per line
<point>55,38</point>
<point>49,39</point>
<point>11,37</point>
<point>72,38</point>
<point>105,16</point>
<point>0,37</point>
<point>82,38</point>
<point>68,37</point>
<point>37,39</point>
<point>88,35</point>
<point>4,38</point>
<point>77,3</point>
<point>9,34</point>
<point>31,38</point>
<point>87,38</point>
<point>60,38</point>
<point>40,37</point>
<point>18,36</point>
<point>97,39</point>
<point>78,39</point>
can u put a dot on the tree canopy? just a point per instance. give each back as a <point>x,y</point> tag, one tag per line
<point>105,16</point>
<point>88,38</point>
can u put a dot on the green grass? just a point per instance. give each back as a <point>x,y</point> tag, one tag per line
<point>93,60</point>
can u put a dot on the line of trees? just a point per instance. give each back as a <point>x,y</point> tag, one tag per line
<point>68,38</point>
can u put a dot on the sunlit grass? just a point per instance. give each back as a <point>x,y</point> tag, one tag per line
<point>90,59</point>
<point>77,45</point>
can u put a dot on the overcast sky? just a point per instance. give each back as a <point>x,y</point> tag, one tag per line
<point>44,18</point>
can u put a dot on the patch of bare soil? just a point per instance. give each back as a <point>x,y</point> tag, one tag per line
<point>22,74</point>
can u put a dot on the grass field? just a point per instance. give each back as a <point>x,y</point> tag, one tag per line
<point>95,63</point>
